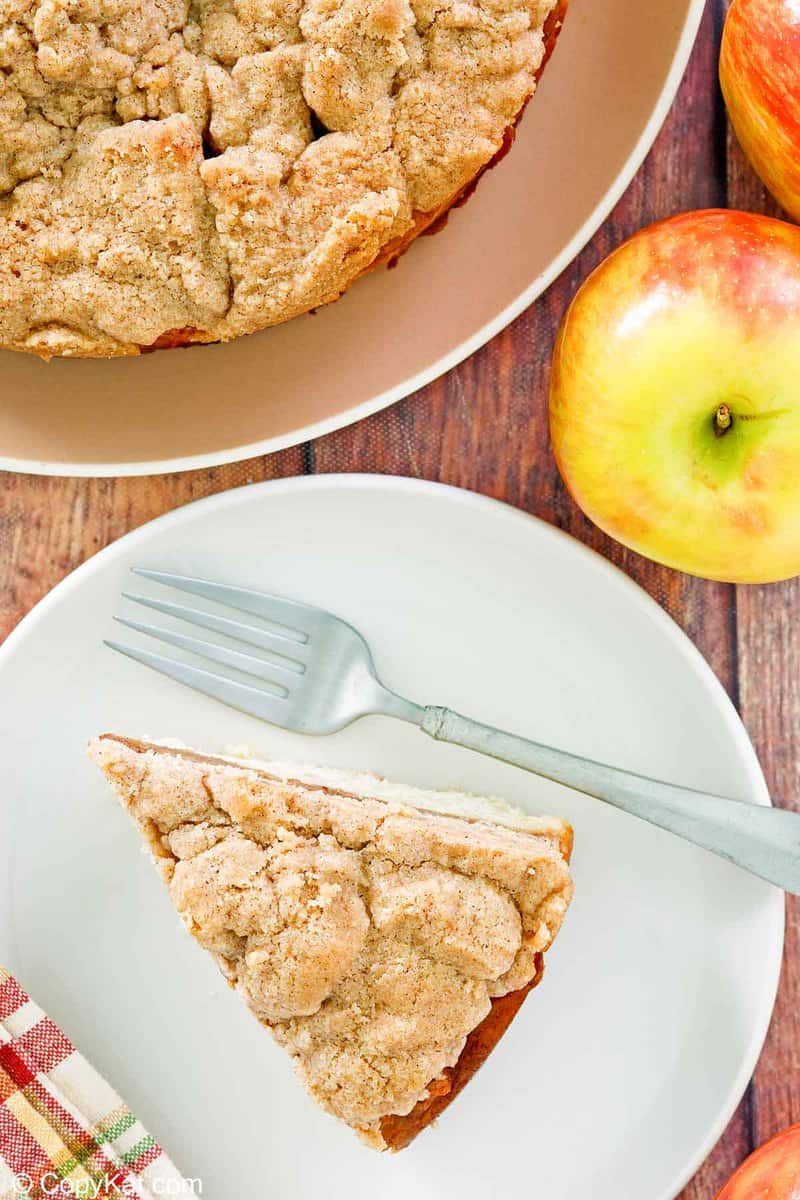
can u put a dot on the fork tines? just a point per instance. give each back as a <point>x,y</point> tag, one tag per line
<point>283,646</point>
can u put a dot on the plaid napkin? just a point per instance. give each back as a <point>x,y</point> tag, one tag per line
<point>63,1130</point>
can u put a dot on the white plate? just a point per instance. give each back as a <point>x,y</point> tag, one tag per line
<point>602,100</point>
<point>621,1070</point>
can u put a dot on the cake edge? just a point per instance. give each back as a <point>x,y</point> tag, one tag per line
<point>543,826</point>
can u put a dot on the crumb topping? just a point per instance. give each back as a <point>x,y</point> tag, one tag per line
<point>369,936</point>
<point>221,165</point>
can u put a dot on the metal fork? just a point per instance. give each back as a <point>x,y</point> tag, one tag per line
<point>314,674</point>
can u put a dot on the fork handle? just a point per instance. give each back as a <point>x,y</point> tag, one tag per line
<point>764,841</point>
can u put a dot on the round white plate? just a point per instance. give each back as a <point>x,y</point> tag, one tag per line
<point>621,1069</point>
<point>601,102</point>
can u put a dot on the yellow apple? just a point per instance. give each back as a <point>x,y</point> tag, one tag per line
<point>675,396</point>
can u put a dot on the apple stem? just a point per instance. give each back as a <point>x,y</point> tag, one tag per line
<point>723,419</point>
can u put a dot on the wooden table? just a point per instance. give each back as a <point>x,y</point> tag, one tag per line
<point>458,430</point>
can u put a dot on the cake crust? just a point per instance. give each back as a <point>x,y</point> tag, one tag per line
<point>188,172</point>
<point>386,946</point>
<point>399,1132</point>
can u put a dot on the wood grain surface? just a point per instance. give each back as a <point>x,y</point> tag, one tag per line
<point>483,426</point>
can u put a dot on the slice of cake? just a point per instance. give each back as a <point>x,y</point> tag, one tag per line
<point>385,934</point>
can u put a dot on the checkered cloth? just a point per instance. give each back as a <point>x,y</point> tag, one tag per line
<point>63,1130</point>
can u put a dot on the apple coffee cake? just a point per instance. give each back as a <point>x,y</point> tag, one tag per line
<point>177,171</point>
<point>386,935</point>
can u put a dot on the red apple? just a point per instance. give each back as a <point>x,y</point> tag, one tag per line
<point>675,395</point>
<point>771,1173</point>
<point>760,75</point>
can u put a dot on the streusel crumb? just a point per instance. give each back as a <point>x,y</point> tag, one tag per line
<point>222,165</point>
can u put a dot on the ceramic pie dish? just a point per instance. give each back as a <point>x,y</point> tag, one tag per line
<point>621,1069</point>
<point>396,329</point>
